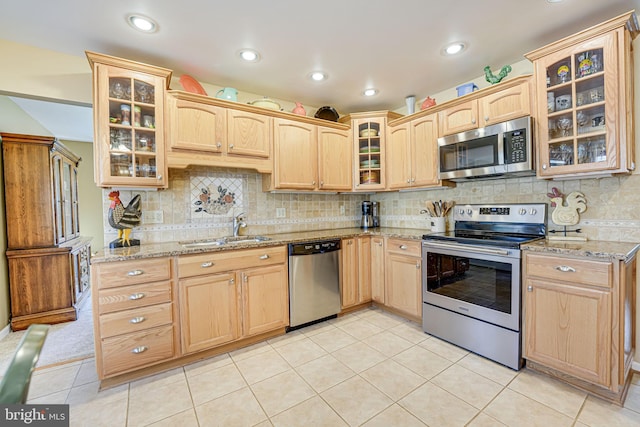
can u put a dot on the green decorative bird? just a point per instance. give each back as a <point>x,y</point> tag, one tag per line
<point>491,78</point>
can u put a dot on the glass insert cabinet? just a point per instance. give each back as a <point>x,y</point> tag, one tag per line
<point>129,121</point>
<point>582,96</point>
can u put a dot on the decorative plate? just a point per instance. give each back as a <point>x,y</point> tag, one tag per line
<point>327,113</point>
<point>191,85</point>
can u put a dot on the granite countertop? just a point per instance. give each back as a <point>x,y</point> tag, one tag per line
<point>152,250</point>
<point>624,251</point>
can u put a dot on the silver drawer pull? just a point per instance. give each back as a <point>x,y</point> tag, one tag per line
<point>403,247</point>
<point>265,256</point>
<point>135,273</point>
<point>565,269</point>
<point>134,297</point>
<point>138,319</point>
<point>206,264</point>
<point>140,349</point>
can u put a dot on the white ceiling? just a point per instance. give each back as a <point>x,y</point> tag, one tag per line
<point>393,46</point>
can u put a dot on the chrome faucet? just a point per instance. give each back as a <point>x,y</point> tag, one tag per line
<point>238,222</point>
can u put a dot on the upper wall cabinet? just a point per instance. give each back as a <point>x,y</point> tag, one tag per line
<point>369,133</point>
<point>487,107</point>
<point>211,132</point>
<point>128,109</point>
<point>584,97</point>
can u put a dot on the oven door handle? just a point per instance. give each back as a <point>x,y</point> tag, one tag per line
<point>467,248</point>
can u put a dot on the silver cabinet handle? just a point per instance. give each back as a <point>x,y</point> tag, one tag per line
<point>313,183</point>
<point>486,118</point>
<point>133,273</point>
<point>137,296</point>
<point>159,176</point>
<point>565,269</point>
<point>529,288</point>
<point>321,183</point>
<point>206,264</point>
<point>473,121</point>
<point>230,146</point>
<point>418,265</point>
<point>265,256</point>
<point>408,181</point>
<point>139,349</point>
<point>138,319</point>
<point>245,278</point>
<point>403,247</point>
<point>544,166</point>
<point>232,281</point>
<point>379,243</point>
<point>219,145</point>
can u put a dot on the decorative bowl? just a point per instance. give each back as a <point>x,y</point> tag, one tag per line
<point>327,113</point>
<point>368,132</point>
<point>266,103</point>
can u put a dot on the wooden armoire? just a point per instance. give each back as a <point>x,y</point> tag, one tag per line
<point>48,259</point>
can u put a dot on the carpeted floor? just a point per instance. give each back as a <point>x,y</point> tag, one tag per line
<point>64,342</point>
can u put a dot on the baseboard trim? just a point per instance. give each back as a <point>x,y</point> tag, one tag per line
<point>5,331</point>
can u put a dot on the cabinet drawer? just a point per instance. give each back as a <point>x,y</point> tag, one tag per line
<point>127,297</point>
<point>126,352</point>
<point>404,247</point>
<point>578,271</point>
<point>111,275</point>
<point>217,262</point>
<point>124,322</point>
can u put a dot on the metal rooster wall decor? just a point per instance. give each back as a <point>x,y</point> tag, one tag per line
<point>124,219</point>
<point>567,212</point>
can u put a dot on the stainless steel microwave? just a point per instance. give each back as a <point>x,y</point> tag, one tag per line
<point>500,150</point>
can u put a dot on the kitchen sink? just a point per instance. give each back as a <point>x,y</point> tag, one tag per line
<point>223,241</point>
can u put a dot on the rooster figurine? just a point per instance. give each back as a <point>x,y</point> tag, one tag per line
<point>124,219</point>
<point>493,79</point>
<point>567,213</point>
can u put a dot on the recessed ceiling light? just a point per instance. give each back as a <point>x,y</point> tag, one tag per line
<point>454,48</point>
<point>142,23</point>
<point>318,76</point>
<point>554,1</point>
<point>370,92</point>
<point>249,55</point>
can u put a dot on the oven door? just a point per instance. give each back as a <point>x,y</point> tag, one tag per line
<point>481,282</point>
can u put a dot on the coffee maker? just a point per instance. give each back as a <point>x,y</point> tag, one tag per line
<point>366,221</point>
<point>375,212</point>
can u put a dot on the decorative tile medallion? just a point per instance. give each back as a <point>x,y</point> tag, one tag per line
<point>215,196</point>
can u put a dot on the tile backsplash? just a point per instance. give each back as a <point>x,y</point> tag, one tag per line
<point>613,205</point>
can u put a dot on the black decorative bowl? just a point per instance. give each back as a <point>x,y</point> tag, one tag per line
<point>327,113</point>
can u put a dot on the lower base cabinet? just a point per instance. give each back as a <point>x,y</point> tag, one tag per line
<point>231,295</point>
<point>355,273</point>
<point>377,269</point>
<point>579,320</point>
<point>403,285</point>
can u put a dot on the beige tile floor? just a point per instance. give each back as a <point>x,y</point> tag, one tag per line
<point>369,368</point>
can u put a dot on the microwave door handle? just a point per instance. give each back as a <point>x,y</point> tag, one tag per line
<point>467,248</point>
<point>501,148</point>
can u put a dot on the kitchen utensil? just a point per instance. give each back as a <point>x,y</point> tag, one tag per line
<point>438,224</point>
<point>191,85</point>
<point>266,103</point>
<point>327,113</point>
<point>228,93</point>
<point>411,104</point>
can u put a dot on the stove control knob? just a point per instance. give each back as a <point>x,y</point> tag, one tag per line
<point>522,211</point>
<point>533,211</point>
<point>461,211</point>
<point>469,211</point>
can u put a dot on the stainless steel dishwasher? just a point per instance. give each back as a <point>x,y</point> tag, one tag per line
<point>314,281</point>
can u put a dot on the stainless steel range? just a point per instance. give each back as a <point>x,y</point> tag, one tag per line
<point>471,283</point>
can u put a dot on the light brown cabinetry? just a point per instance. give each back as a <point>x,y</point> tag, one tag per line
<point>128,106</point>
<point>226,296</point>
<point>412,153</point>
<point>578,319</point>
<point>310,157</point>
<point>403,266</point>
<point>584,96</point>
<point>377,269</point>
<point>487,107</point>
<point>369,133</point>
<point>355,280</point>
<point>43,231</point>
<point>134,315</point>
<point>211,132</point>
